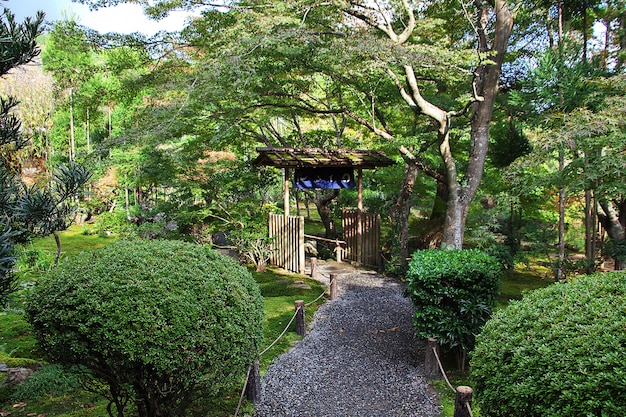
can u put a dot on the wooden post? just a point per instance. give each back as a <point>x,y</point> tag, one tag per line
<point>360,190</point>
<point>253,385</point>
<point>333,286</point>
<point>431,367</point>
<point>338,252</point>
<point>463,398</point>
<point>301,255</point>
<point>300,319</point>
<point>286,191</point>
<point>314,268</point>
<point>360,237</point>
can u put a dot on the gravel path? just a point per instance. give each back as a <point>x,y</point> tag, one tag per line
<point>358,359</point>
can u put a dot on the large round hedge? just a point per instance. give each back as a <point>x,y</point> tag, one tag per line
<point>157,320</point>
<point>558,352</point>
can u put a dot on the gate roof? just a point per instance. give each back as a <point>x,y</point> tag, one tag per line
<point>321,158</point>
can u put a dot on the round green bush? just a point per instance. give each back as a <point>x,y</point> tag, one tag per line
<point>558,352</point>
<point>158,321</point>
<point>453,292</point>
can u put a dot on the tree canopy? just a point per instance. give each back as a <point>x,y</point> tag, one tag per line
<point>438,85</point>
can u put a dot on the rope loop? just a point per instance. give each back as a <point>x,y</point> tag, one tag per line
<point>443,372</point>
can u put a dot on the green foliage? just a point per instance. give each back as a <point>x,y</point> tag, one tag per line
<point>619,250</point>
<point>453,292</point>
<point>34,260</point>
<point>508,143</point>
<point>151,315</point>
<point>112,222</point>
<point>18,47</point>
<point>558,352</point>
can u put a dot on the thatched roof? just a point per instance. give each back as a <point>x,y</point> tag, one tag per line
<point>321,158</point>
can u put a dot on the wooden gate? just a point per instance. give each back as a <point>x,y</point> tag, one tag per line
<point>362,242</point>
<point>287,239</point>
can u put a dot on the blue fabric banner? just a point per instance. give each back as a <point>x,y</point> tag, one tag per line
<point>326,178</point>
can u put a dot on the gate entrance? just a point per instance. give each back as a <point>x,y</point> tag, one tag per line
<point>323,168</point>
<point>361,231</point>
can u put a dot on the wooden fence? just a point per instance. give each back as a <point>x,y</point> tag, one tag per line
<point>362,238</point>
<point>287,240</point>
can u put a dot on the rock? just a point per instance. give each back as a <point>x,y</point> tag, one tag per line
<point>220,239</point>
<point>300,285</point>
<point>18,375</point>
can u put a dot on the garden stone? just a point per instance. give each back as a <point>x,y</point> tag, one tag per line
<point>17,375</point>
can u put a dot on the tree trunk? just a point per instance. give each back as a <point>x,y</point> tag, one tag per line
<point>88,132</point>
<point>127,203</point>
<point>560,274</point>
<point>488,75</point>
<point>613,223</point>
<point>57,255</point>
<point>621,58</point>
<point>322,202</point>
<point>590,231</point>
<point>72,153</point>
<point>431,231</point>
<point>485,91</point>
<point>400,211</point>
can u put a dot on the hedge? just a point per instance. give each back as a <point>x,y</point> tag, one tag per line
<point>558,352</point>
<point>158,321</point>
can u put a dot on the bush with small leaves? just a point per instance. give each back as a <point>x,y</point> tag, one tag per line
<point>453,292</point>
<point>558,352</point>
<point>158,321</point>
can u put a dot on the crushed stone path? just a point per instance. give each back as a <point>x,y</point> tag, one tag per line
<point>359,358</point>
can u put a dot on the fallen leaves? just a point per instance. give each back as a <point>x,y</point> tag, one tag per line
<point>20,405</point>
<point>391,329</point>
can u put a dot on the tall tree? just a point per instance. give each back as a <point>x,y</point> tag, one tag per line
<point>68,57</point>
<point>25,211</point>
<point>270,57</point>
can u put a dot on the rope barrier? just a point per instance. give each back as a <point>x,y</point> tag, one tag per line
<point>443,372</point>
<point>272,345</point>
<point>321,295</point>
<point>282,334</point>
<point>243,391</point>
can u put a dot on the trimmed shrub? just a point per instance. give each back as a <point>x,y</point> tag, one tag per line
<point>157,321</point>
<point>453,292</point>
<point>558,352</point>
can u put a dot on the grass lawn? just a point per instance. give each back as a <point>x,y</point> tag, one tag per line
<point>45,396</point>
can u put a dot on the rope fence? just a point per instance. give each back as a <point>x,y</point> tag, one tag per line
<point>251,387</point>
<point>434,368</point>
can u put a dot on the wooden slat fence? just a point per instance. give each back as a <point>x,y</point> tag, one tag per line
<point>362,243</point>
<point>287,237</point>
